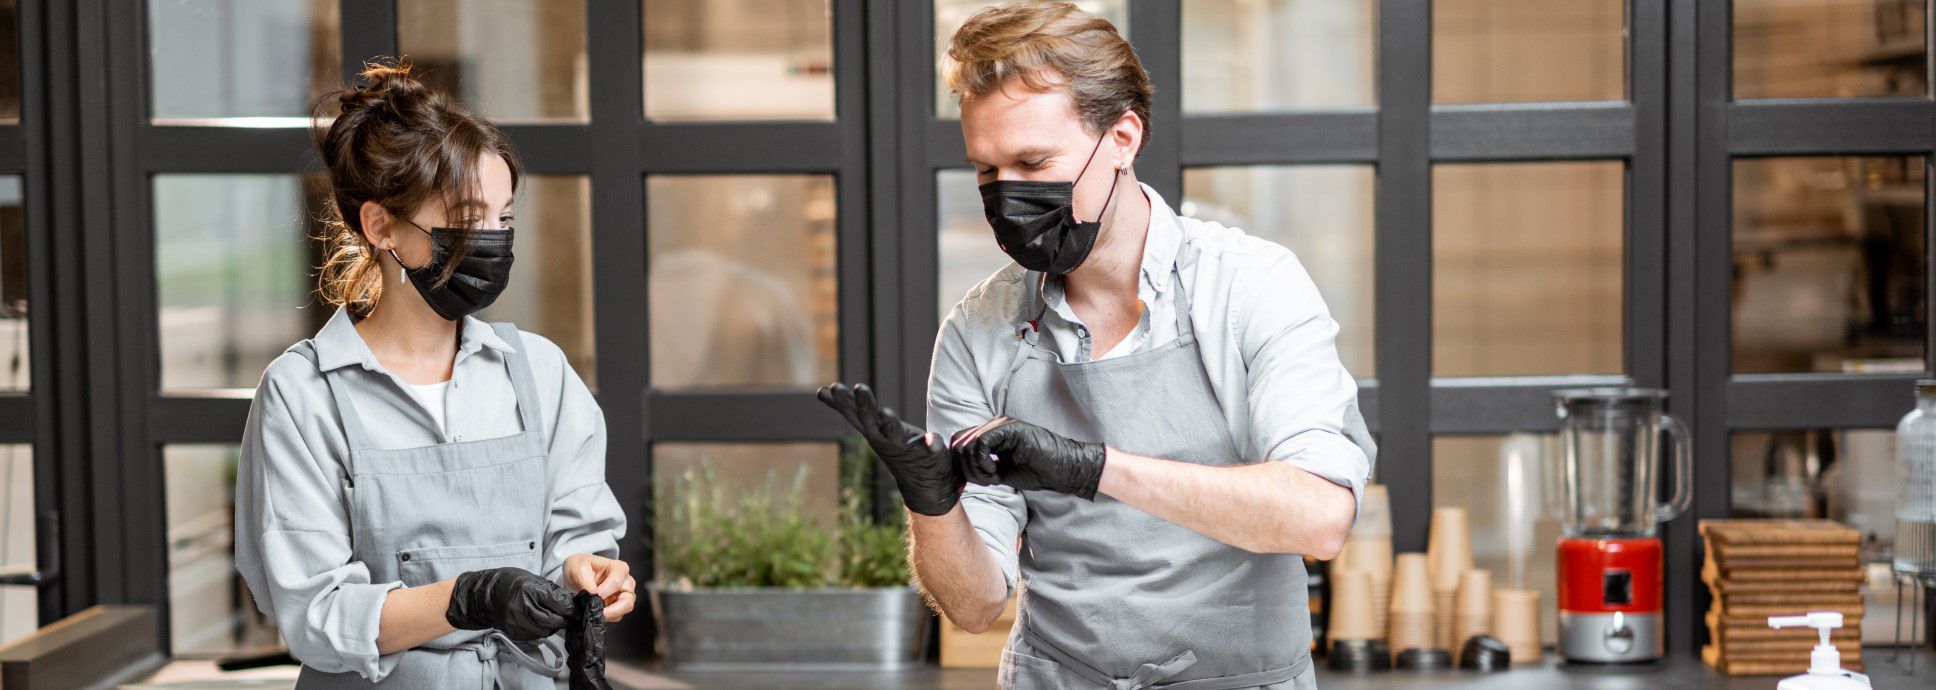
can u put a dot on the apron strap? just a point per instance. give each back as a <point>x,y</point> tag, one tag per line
<point>521,381</point>
<point>1151,675</point>
<point>1180,301</point>
<point>496,645</point>
<point>353,432</point>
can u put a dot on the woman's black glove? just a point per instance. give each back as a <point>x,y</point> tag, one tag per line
<point>927,475</point>
<point>1006,450</point>
<point>585,643</point>
<point>517,603</point>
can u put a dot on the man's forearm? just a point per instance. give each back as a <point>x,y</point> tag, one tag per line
<point>412,616</point>
<point>955,570</point>
<point>1269,507</point>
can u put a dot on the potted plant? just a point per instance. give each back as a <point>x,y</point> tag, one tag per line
<point>751,582</point>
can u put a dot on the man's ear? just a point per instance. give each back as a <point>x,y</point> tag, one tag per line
<point>1127,136</point>
<point>376,223</point>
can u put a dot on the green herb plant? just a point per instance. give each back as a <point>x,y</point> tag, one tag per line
<point>714,536</point>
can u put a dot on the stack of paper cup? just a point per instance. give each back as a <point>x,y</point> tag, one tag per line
<point>1472,611</point>
<point>1515,621</point>
<point>1369,549</point>
<point>1352,615</point>
<point>1450,555</point>
<point>1411,604</point>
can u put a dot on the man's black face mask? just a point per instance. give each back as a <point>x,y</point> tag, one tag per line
<point>1035,222</point>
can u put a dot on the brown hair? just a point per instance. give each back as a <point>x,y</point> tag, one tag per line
<point>1049,44</point>
<point>398,143</point>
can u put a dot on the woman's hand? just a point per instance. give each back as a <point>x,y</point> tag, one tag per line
<point>609,578</point>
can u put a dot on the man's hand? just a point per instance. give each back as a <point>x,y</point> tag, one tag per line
<point>1006,450</point>
<point>927,475</point>
<point>608,578</point>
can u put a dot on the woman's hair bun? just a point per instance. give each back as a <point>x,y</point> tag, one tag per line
<point>385,82</point>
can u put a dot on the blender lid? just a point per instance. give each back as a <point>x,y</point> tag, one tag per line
<point>1609,394</point>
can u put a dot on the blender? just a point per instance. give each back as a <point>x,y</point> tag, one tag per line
<point>1609,561</point>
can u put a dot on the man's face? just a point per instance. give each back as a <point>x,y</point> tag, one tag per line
<point>1018,133</point>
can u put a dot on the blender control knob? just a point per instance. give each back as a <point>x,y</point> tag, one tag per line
<point>1618,636</point>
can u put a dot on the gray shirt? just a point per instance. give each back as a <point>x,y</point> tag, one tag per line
<point>1266,338</point>
<point>292,531</point>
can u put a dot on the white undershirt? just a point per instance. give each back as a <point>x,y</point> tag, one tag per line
<point>432,397</point>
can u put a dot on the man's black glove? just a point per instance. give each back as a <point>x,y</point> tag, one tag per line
<point>1006,450</point>
<point>521,605</point>
<point>929,480</point>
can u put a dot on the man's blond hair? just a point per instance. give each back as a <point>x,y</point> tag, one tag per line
<point>1049,44</point>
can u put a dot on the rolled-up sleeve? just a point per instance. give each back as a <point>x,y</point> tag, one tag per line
<point>1303,404</point>
<point>956,401</point>
<point>585,516</point>
<point>292,546</point>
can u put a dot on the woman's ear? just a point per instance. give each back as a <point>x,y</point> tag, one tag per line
<point>376,225</point>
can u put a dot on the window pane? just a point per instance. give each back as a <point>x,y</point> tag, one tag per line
<point>1829,48</point>
<point>740,467</point>
<point>233,270</point>
<point>1279,54</point>
<point>15,365</point>
<point>742,275</point>
<point>242,58</point>
<point>210,612</point>
<point>1323,215</point>
<point>551,281</point>
<point>510,60</point>
<point>966,246</point>
<point>1526,269</point>
<point>1500,482</point>
<point>19,606</point>
<point>739,60</point>
<point>1828,264</point>
<point>9,60</point>
<point>1493,51</point>
<point>950,14</point>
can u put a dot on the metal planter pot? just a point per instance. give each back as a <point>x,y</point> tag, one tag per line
<point>780,629</point>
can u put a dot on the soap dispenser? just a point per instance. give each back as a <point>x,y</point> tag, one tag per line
<point>1825,670</point>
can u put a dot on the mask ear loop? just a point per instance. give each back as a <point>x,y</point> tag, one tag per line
<point>1104,213</point>
<point>405,273</point>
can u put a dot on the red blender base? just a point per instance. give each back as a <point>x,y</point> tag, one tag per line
<point>1609,598</point>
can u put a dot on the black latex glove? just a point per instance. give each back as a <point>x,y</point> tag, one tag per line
<point>1006,450</point>
<point>585,643</point>
<point>521,605</point>
<point>927,475</point>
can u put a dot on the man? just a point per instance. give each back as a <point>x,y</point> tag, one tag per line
<point>1152,404</point>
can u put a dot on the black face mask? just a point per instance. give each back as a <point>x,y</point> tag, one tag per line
<point>481,274</point>
<point>1035,222</point>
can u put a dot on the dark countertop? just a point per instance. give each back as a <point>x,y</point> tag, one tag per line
<point>1677,672</point>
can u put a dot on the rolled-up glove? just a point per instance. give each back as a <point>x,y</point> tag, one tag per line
<point>516,602</point>
<point>927,475</point>
<point>1009,451</point>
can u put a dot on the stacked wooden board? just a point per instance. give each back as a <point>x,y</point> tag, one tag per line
<point>1761,568</point>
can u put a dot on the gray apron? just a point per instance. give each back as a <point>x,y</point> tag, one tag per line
<point>423,515</point>
<point>1114,597</point>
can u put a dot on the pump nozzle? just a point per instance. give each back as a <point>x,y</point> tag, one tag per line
<point>1825,660</point>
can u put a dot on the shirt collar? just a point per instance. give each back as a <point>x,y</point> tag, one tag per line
<point>338,344</point>
<point>1159,256</point>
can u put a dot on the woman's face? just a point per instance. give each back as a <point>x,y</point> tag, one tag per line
<point>490,210</point>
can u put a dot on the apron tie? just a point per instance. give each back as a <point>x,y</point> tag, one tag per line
<point>1152,673</point>
<point>491,646</point>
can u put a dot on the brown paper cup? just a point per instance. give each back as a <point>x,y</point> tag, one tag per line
<point>1450,549</point>
<point>1515,621</point>
<point>1352,615</point>
<point>1374,515</point>
<point>1412,586</point>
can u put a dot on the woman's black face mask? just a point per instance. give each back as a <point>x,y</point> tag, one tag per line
<point>481,274</point>
<point>1035,222</point>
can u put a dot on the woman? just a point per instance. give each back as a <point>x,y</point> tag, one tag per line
<point>419,491</point>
